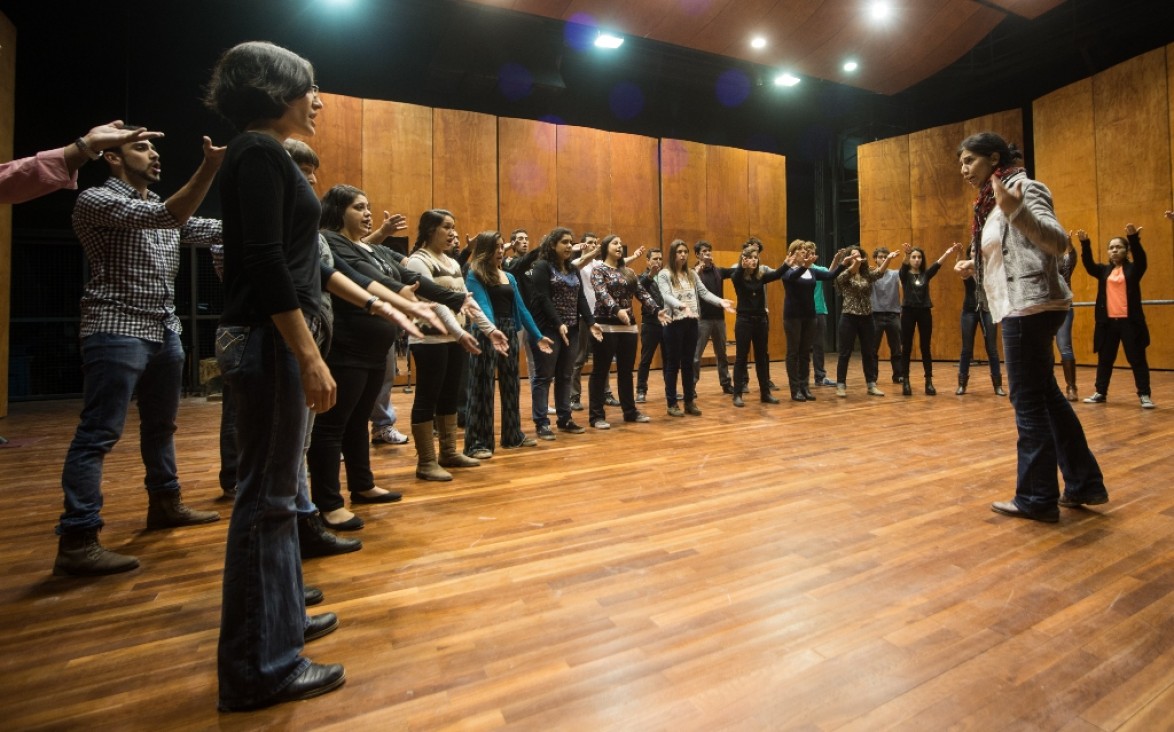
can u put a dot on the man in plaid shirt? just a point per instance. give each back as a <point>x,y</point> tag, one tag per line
<point>130,341</point>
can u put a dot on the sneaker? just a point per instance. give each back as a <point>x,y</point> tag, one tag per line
<point>896,379</point>
<point>576,406</point>
<point>388,435</point>
<point>599,424</point>
<point>1097,398</point>
<point>675,411</point>
<point>1146,402</point>
<point>641,397</point>
<point>527,441</point>
<point>873,391</point>
<point>841,390</point>
<point>611,401</point>
<point>545,433</point>
<point>640,417</point>
<point>572,428</point>
<point>825,381</point>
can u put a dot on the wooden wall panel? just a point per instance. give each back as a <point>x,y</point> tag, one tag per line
<point>938,207</point>
<point>1133,149</point>
<point>584,175</point>
<point>527,186</point>
<point>1065,142</point>
<point>885,207</point>
<point>635,190</point>
<point>397,159</point>
<point>727,181</point>
<point>682,191</point>
<point>464,169</point>
<point>339,142</point>
<point>768,221</point>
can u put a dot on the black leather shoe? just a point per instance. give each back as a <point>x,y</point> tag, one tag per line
<point>727,389</point>
<point>1010,508</point>
<point>768,398</point>
<point>389,497</point>
<point>320,625</point>
<point>317,679</point>
<point>315,541</point>
<point>1068,501</point>
<point>313,595</point>
<point>354,523</point>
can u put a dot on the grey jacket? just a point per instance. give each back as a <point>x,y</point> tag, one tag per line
<point>1033,242</point>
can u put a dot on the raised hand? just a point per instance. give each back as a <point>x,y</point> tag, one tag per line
<point>1131,230</point>
<point>1007,199</point>
<point>1082,235</point>
<point>114,134</point>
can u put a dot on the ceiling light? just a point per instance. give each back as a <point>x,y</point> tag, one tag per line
<point>851,66</point>
<point>880,10</point>
<point>758,42</point>
<point>786,80</point>
<point>608,40</point>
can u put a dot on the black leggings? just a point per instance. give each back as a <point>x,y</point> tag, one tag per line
<point>438,379</point>
<point>923,319</point>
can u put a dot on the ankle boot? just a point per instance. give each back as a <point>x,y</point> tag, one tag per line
<point>165,509</point>
<point>314,540</point>
<point>450,457</point>
<point>1070,392</point>
<point>807,391</point>
<point>906,387</point>
<point>962,381</point>
<point>999,387</point>
<point>797,394</point>
<point>426,466</point>
<point>80,554</point>
<point>929,390</point>
<point>738,402</point>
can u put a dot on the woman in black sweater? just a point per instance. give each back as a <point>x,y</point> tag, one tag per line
<point>800,321</point>
<point>917,311</point>
<point>751,324</point>
<point>1119,317</point>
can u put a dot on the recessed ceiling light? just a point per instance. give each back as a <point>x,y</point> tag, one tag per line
<point>608,40</point>
<point>851,66</point>
<point>880,10</point>
<point>758,42</point>
<point>786,79</point>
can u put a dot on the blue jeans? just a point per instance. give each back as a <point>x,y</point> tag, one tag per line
<point>1064,338</point>
<point>114,366</point>
<point>970,322</point>
<point>262,613</point>
<point>1050,434</point>
<point>383,413</point>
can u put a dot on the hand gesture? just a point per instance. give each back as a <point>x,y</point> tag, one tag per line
<point>622,314</point>
<point>663,316</point>
<point>907,248</point>
<point>597,332</point>
<point>1131,230</point>
<point>562,331</point>
<point>638,253</point>
<point>1169,215</point>
<point>1082,235</point>
<point>393,223</point>
<point>387,312</point>
<point>317,384</point>
<point>546,345</point>
<point>469,343</point>
<point>1008,199</point>
<point>408,292</point>
<point>114,134</point>
<point>893,255</point>
<point>213,154</point>
<point>964,268</point>
<point>470,307</point>
<point>955,247</point>
<point>728,306</point>
<point>501,342</point>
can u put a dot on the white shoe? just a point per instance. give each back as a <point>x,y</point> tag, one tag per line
<point>388,435</point>
<point>1146,402</point>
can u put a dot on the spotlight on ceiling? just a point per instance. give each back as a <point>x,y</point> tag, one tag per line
<point>786,79</point>
<point>608,40</point>
<point>851,66</point>
<point>758,42</point>
<point>880,10</point>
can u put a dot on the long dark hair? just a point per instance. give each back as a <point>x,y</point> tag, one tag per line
<point>430,221</point>
<point>334,205</point>
<point>546,250</point>
<point>481,262</point>
<point>622,264</point>
<point>755,273</point>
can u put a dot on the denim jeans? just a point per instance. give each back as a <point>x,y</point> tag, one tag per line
<point>262,612</point>
<point>1050,434</point>
<point>383,413</point>
<point>114,366</point>
<point>971,320</point>
<point>556,367</point>
<point>1064,338</point>
<point>712,329</point>
<point>227,439</point>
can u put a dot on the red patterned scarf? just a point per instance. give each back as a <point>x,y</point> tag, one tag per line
<point>983,205</point>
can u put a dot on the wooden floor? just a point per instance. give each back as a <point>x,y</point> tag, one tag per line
<point>822,566</point>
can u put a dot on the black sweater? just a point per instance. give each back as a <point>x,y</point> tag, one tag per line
<point>915,286</point>
<point>1134,271</point>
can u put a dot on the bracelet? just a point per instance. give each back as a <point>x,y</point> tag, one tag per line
<point>370,304</point>
<point>86,149</point>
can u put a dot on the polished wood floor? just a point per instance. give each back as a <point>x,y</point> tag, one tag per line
<point>823,566</point>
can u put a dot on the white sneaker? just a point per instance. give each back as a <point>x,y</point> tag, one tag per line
<point>1096,398</point>
<point>388,435</point>
<point>1146,402</point>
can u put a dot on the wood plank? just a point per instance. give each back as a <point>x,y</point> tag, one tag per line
<point>689,589</point>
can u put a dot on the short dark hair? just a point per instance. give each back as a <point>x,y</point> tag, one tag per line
<point>987,144</point>
<point>334,205</point>
<point>430,221</point>
<point>117,149</point>
<point>515,232</point>
<point>702,244</point>
<point>654,250</point>
<point>256,81</point>
<point>589,235</point>
<point>302,153</point>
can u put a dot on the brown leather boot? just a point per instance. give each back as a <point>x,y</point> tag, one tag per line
<point>80,554</point>
<point>165,510</point>
<point>1070,392</point>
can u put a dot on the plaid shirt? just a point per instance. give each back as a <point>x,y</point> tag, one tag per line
<point>132,245</point>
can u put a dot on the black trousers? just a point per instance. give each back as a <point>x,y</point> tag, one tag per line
<point>853,327</point>
<point>1121,332</point>
<point>922,319</point>
<point>751,330</point>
